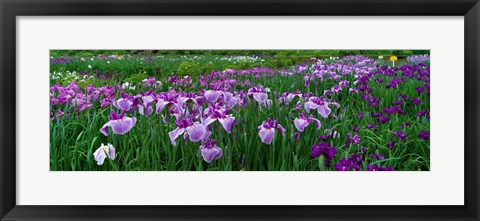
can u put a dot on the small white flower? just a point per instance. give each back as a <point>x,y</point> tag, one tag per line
<point>89,66</point>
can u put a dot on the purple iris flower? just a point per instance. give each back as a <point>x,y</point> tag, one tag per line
<point>398,109</point>
<point>145,108</point>
<point>104,152</point>
<point>403,96</point>
<point>195,130</point>
<point>210,151</point>
<point>364,150</point>
<point>258,94</point>
<point>307,80</point>
<point>389,110</point>
<point>297,135</point>
<point>288,97</point>
<point>378,168</point>
<point>377,156</point>
<point>318,104</point>
<point>105,102</point>
<point>423,113</point>
<point>266,130</point>
<point>371,126</point>
<point>325,150</point>
<point>230,99</point>
<point>260,97</point>
<point>343,83</point>
<point>353,90</point>
<point>244,162</point>
<point>355,139</point>
<point>391,144</point>
<point>405,124</point>
<point>424,135</point>
<point>151,81</point>
<point>346,165</point>
<point>164,99</point>
<point>360,115</point>
<point>400,134</point>
<point>416,101</point>
<point>374,101</point>
<point>380,117</point>
<point>336,89</point>
<point>119,124</point>
<point>398,103</point>
<point>185,98</point>
<point>302,122</point>
<point>217,113</point>
<point>420,90</point>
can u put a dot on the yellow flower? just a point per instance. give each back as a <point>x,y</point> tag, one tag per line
<point>393,58</point>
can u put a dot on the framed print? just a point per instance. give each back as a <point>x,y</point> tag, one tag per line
<point>258,110</point>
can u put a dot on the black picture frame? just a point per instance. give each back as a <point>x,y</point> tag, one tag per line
<point>9,210</point>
